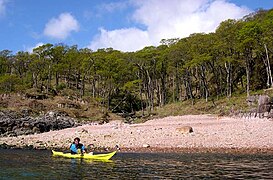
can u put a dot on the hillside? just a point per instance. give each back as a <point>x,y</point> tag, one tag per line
<point>89,110</point>
<point>202,73</point>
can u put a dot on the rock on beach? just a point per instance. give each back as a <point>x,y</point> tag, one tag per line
<point>185,129</point>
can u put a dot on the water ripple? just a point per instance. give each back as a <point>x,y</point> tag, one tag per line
<point>26,164</point>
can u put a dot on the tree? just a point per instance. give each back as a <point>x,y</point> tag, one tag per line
<point>8,83</point>
<point>5,61</point>
<point>43,53</point>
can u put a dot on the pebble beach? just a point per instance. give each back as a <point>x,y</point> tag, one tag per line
<point>190,133</point>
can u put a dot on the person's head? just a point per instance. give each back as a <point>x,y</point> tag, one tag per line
<point>76,140</point>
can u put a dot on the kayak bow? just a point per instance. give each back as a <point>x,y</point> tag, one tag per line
<point>106,156</point>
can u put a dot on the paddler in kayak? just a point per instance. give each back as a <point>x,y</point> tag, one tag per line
<point>76,147</point>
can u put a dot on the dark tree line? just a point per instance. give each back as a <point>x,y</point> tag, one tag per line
<point>236,58</point>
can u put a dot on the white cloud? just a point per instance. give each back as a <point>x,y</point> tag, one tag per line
<point>2,6</point>
<point>168,19</point>
<point>113,6</point>
<point>61,27</point>
<point>128,39</point>
<point>30,49</point>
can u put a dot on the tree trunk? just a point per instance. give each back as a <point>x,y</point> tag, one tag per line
<point>163,84</point>
<point>163,90</point>
<point>57,78</point>
<point>228,79</point>
<point>158,92</point>
<point>34,79</point>
<point>83,86</point>
<point>48,79</point>
<point>204,82</point>
<point>188,85</point>
<point>141,86</point>
<point>173,88</point>
<point>93,86</point>
<point>150,89</point>
<point>247,77</point>
<point>177,86</point>
<point>268,68</point>
<point>140,92</point>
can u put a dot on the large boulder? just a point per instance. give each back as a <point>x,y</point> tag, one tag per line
<point>263,99</point>
<point>264,104</point>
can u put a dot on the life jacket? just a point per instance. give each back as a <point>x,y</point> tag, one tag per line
<point>75,149</point>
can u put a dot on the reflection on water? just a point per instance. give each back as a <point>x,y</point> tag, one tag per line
<point>29,164</point>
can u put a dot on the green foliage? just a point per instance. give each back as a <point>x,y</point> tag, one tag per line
<point>61,86</point>
<point>8,83</point>
<point>131,86</point>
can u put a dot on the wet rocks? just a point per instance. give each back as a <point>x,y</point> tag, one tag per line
<point>5,146</point>
<point>15,124</point>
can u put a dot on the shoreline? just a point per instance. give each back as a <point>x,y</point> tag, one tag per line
<point>209,134</point>
<point>233,151</point>
<point>246,151</point>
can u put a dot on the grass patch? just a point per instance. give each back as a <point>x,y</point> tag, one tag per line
<point>222,106</point>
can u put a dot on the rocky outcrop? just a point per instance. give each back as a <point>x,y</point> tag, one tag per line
<point>15,124</point>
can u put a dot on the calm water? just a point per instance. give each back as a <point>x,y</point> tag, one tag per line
<point>31,164</point>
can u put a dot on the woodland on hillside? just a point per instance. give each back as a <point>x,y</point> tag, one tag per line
<point>236,58</point>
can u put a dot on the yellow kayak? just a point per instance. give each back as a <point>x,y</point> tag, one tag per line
<point>106,156</point>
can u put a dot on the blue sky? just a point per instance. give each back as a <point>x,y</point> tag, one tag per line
<point>126,25</point>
